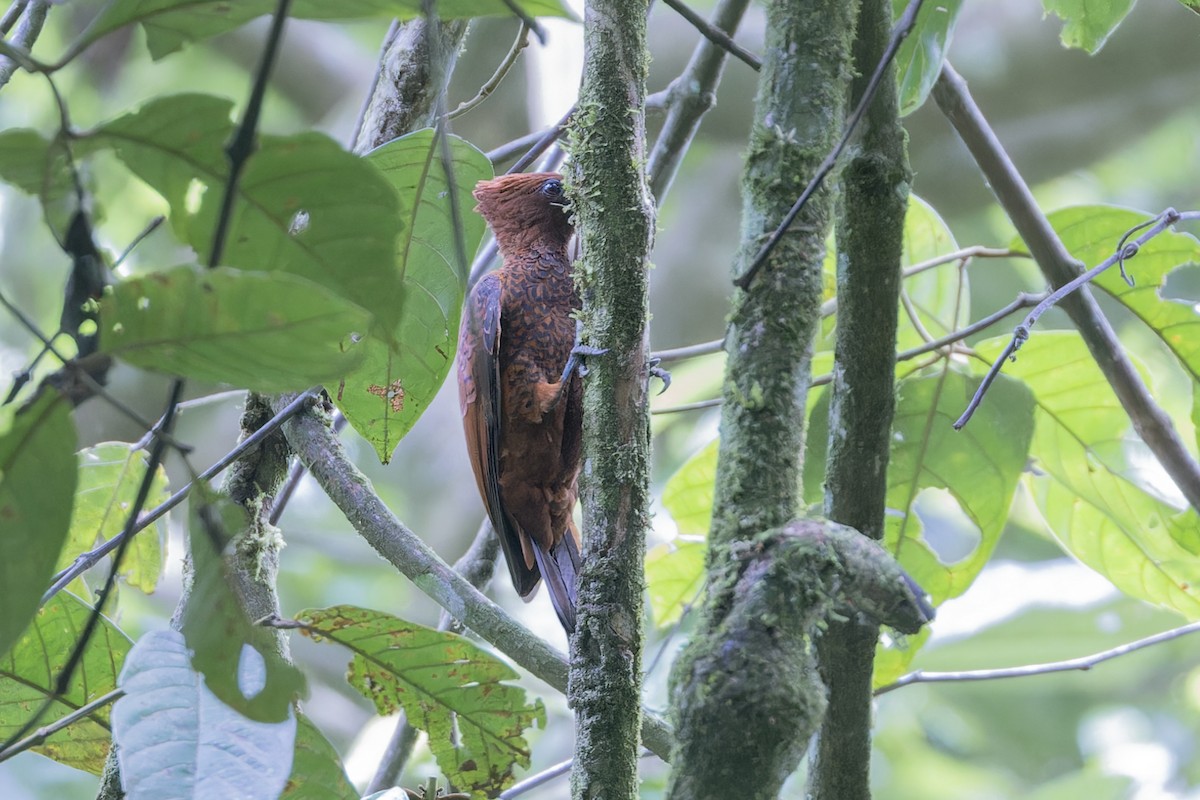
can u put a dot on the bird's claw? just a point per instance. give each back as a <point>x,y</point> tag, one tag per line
<point>575,365</point>
<point>660,373</point>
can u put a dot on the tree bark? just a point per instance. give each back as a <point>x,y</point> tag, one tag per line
<point>615,218</point>
<point>798,116</point>
<point>870,232</point>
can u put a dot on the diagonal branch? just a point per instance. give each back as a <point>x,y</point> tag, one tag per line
<point>1060,268</point>
<point>321,452</point>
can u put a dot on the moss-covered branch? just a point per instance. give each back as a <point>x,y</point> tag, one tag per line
<point>870,229</point>
<point>615,217</point>
<point>798,115</point>
<point>748,701</point>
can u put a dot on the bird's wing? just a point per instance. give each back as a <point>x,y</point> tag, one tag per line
<point>479,400</point>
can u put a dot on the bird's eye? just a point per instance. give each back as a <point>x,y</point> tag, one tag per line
<point>552,189</point>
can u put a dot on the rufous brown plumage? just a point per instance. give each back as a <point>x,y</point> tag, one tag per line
<point>523,433</point>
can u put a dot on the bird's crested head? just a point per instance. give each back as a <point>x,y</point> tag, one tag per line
<point>524,207</point>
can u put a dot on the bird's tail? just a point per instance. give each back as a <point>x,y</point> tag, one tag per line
<point>559,567</point>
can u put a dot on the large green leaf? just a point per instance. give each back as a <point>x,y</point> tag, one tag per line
<point>404,365</point>
<point>979,466</point>
<point>317,772</point>
<point>1100,504</point>
<point>110,475</point>
<point>674,577</point>
<point>37,482</point>
<point>223,640</point>
<point>1091,233</point>
<point>260,331</point>
<point>1087,24</point>
<point>919,60</point>
<point>303,204</point>
<point>177,740</point>
<point>29,672</point>
<point>170,24</point>
<point>448,687</point>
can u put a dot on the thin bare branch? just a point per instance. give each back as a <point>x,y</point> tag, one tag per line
<point>15,53</point>
<point>42,734</point>
<point>489,86</point>
<point>715,35</point>
<point>1073,664</point>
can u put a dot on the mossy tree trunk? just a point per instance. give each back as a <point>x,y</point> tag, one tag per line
<point>798,118</point>
<point>870,229</point>
<point>615,218</point>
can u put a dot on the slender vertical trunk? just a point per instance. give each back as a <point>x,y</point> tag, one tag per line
<point>615,218</point>
<point>870,228</point>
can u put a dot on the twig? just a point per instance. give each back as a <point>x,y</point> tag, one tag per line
<point>12,15</point>
<point>42,734</point>
<point>485,91</point>
<point>901,30</point>
<point>697,406</point>
<point>534,781</point>
<point>514,148</point>
<point>715,35</point>
<point>1082,664</point>
<point>1023,300</point>
<point>15,53</point>
<point>87,560</point>
<point>690,351</point>
<point>526,20</point>
<point>149,229</point>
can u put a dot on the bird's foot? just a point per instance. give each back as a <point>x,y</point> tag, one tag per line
<point>658,372</point>
<point>575,364</point>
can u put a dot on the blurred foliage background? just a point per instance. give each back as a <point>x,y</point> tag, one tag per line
<point>1119,127</point>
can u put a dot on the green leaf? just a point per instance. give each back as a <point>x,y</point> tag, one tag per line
<point>37,482</point>
<point>919,60</point>
<point>317,771</point>
<point>940,295</point>
<point>263,332</point>
<point>688,494</point>
<point>674,577</point>
<point>447,686</point>
<point>1193,5</point>
<point>178,740</point>
<point>170,24</point>
<point>405,365</point>
<point>1087,24</point>
<point>303,204</point>
<point>30,671</point>
<point>979,466</point>
<point>110,475</point>
<point>1098,503</point>
<point>224,641</point>
<point>1092,233</point>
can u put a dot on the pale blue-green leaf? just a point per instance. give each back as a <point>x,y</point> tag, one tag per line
<point>179,742</point>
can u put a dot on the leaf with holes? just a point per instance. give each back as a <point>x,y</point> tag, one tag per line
<point>1093,488</point>
<point>177,740</point>
<point>404,365</point>
<point>447,686</point>
<point>303,204</point>
<point>110,475</point>
<point>170,24</point>
<point>37,482</point>
<point>29,672</point>
<point>259,331</point>
<point>919,60</point>
<point>979,466</point>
